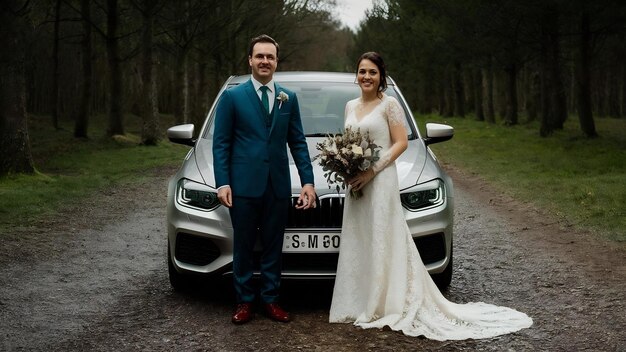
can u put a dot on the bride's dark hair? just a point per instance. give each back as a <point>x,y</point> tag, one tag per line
<point>378,61</point>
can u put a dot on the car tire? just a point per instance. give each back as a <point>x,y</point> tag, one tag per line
<point>443,279</point>
<point>180,282</point>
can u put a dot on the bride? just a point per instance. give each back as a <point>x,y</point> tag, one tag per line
<point>381,280</point>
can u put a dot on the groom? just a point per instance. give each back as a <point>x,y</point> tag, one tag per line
<point>254,122</point>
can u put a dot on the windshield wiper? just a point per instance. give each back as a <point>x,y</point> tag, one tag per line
<point>318,134</point>
<point>325,134</point>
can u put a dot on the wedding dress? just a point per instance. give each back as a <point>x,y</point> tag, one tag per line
<point>381,280</point>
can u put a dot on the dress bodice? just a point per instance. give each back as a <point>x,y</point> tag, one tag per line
<point>387,112</point>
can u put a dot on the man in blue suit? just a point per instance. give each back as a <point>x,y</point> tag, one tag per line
<point>255,121</point>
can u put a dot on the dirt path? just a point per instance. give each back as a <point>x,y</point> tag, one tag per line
<point>95,278</point>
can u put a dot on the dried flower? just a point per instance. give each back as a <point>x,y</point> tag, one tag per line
<point>282,96</point>
<point>343,156</point>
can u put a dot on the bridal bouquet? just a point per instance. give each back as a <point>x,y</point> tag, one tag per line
<point>344,156</point>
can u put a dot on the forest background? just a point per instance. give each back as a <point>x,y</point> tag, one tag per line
<point>91,69</point>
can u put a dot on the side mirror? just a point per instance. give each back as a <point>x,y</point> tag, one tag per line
<point>437,132</point>
<point>182,134</point>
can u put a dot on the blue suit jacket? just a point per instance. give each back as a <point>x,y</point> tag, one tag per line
<point>246,152</point>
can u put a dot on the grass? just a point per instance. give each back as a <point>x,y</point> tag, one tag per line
<point>69,169</point>
<point>577,179</point>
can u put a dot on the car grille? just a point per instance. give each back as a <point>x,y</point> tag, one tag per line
<point>327,214</point>
<point>195,250</point>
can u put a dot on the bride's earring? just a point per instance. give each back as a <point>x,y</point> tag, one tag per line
<point>356,81</point>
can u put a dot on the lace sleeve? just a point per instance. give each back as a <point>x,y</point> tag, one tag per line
<point>349,108</point>
<point>382,162</point>
<point>394,114</point>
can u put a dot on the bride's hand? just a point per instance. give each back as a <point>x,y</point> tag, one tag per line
<point>360,180</point>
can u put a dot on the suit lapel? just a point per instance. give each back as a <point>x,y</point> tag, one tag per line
<point>275,112</point>
<point>255,101</point>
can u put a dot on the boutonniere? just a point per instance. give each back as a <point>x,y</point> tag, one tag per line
<point>282,96</point>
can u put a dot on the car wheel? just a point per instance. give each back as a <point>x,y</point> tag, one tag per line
<point>180,282</point>
<point>444,279</point>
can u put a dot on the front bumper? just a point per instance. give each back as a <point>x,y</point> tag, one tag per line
<point>201,241</point>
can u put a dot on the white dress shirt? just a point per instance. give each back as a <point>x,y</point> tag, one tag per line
<point>271,92</point>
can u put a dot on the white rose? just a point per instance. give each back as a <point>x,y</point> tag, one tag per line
<point>282,96</point>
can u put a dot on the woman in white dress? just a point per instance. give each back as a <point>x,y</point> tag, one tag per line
<point>381,280</point>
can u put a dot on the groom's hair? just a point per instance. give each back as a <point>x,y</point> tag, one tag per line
<point>263,38</point>
<point>378,61</point>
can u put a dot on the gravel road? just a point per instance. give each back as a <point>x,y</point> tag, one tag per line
<point>94,278</point>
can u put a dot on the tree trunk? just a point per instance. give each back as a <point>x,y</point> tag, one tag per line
<point>510,117</point>
<point>16,154</point>
<point>534,96</point>
<point>82,119</point>
<point>203,92</point>
<point>554,109</point>
<point>469,95</point>
<point>181,89</point>
<point>149,103</point>
<point>547,127</point>
<point>487,78</point>
<point>116,125</point>
<point>499,93</point>
<point>55,67</point>
<point>441,95</point>
<point>604,92</point>
<point>523,88</point>
<point>559,100</point>
<point>448,107</point>
<point>612,92</point>
<point>622,95</point>
<point>585,114</point>
<point>192,91</point>
<point>429,94</point>
<point>216,80</point>
<point>459,96</point>
<point>478,94</point>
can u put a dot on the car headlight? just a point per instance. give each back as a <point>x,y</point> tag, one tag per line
<point>424,196</point>
<point>196,195</point>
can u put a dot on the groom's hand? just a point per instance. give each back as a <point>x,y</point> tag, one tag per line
<point>307,199</point>
<point>225,195</point>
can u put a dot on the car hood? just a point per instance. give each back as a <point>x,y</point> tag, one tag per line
<point>415,165</point>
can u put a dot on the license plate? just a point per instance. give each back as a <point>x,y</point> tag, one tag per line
<point>311,242</point>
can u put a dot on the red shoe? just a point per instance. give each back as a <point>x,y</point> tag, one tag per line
<point>243,313</point>
<point>275,312</point>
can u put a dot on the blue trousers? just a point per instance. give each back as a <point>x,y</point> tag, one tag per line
<point>263,217</point>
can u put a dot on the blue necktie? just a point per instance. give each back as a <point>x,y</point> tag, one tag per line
<point>265,99</point>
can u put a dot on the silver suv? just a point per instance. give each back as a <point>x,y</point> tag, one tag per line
<point>199,228</point>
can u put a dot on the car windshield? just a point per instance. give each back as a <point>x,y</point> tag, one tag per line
<point>322,106</point>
